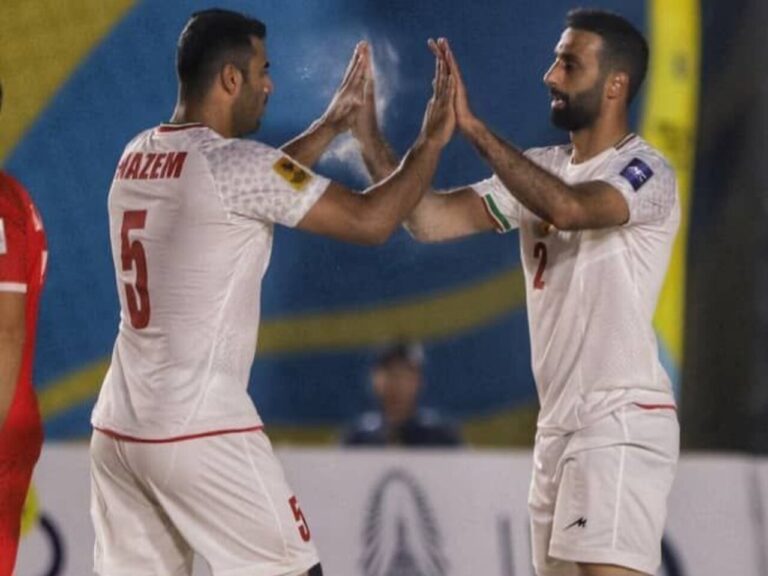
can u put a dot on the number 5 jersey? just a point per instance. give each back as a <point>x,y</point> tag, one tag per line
<point>191,224</point>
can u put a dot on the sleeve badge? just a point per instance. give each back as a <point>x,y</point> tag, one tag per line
<point>296,176</point>
<point>637,173</point>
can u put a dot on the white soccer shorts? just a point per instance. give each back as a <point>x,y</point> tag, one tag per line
<point>599,495</point>
<point>223,497</point>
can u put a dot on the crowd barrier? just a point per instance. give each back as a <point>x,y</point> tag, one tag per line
<point>431,513</point>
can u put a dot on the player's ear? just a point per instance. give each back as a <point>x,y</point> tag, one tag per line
<point>230,78</point>
<point>618,85</point>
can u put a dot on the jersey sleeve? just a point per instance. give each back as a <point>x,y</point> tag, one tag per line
<point>260,182</point>
<point>13,243</point>
<point>647,183</point>
<point>502,207</point>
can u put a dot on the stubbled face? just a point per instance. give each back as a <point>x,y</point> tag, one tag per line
<point>396,385</point>
<point>575,80</point>
<point>251,102</point>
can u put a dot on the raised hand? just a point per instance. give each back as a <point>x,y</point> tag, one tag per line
<point>365,126</point>
<point>342,111</point>
<point>464,116</point>
<point>440,116</point>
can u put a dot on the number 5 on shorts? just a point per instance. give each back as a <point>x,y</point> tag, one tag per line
<point>300,520</point>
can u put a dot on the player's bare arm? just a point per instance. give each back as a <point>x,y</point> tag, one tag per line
<point>446,215</point>
<point>12,330</point>
<point>439,215</point>
<point>379,158</point>
<point>581,206</point>
<point>370,218</point>
<point>338,117</point>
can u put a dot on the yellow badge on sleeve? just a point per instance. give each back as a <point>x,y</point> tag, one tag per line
<point>292,173</point>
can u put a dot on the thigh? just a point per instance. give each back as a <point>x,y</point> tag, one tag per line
<point>229,497</point>
<point>607,570</point>
<point>612,498</point>
<point>542,498</point>
<point>134,536</point>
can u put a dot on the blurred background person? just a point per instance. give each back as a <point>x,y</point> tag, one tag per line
<point>397,379</point>
<point>23,258</point>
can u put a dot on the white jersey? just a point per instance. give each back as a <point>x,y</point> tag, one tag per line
<point>191,219</point>
<point>591,294</point>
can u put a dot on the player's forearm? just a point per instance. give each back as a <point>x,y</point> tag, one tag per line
<point>11,351</point>
<point>541,192</point>
<point>308,146</point>
<point>423,223</point>
<point>379,158</point>
<point>395,197</point>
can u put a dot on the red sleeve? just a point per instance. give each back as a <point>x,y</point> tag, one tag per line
<point>13,238</point>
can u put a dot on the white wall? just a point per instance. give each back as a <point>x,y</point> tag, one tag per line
<point>451,512</point>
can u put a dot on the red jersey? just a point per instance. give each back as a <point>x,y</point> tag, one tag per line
<point>23,258</point>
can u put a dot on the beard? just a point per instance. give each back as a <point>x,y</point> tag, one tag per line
<point>579,110</point>
<point>247,113</point>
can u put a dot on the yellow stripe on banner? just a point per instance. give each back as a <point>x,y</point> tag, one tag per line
<point>502,428</point>
<point>425,318</point>
<point>669,124</point>
<point>72,390</point>
<point>43,42</point>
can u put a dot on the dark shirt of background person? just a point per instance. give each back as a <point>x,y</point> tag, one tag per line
<point>397,379</point>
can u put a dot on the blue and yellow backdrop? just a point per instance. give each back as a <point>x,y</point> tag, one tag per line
<point>82,77</point>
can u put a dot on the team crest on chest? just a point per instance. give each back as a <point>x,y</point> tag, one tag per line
<point>542,229</point>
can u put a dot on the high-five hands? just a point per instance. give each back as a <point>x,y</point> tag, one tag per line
<point>440,115</point>
<point>464,116</point>
<point>354,107</point>
<point>365,125</point>
<point>343,109</point>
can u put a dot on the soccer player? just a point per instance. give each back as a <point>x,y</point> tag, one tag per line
<point>180,463</point>
<point>23,258</point>
<point>597,218</point>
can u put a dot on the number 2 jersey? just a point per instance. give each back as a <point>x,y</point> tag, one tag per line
<point>191,219</point>
<point>591,294</point>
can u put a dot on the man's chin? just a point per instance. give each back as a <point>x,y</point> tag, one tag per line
<point>566,122</point>
<point>558,120</point>
<point>249,130</point>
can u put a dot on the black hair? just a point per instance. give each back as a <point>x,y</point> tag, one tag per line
<point>409,352</point>
<point>211,39</point>
<point>624,47</point>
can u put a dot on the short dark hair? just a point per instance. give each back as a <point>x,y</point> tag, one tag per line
<point>210,39</point>
<point>409,352</point>
<point>624,47</point>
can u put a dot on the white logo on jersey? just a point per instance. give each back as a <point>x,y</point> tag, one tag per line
<point>3,247</point>
<point>637,173</point>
